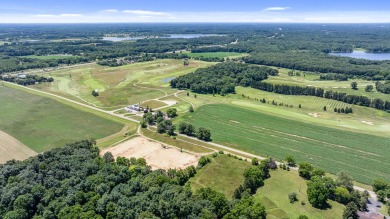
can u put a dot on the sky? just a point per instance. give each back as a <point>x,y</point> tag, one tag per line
<point>269,11</point>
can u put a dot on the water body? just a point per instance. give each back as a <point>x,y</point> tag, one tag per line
<point>165,80</point>
<point>171,36</point>
<point>363,55</point>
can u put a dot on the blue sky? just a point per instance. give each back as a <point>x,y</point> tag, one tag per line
<point>303,11</point>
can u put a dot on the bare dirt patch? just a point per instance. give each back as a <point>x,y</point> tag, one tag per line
<point>169,102</point>
<point>10,148</point>
<point>367,122</point>
<point>234,121</point>
<point>154,153</point>
<point>315,115</point>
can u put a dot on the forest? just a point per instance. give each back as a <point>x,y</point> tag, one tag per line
<point>222,78</point>
<point>75,182</point>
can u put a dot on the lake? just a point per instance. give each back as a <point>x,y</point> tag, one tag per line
<point>170,36</point>
<point>363,55</point>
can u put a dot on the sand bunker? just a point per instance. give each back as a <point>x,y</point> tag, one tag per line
<point>154,153</point>
<point>315,115</point>
<point>367,122</point>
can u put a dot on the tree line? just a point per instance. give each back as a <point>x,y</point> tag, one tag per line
<point>26,80</point>
<point>319,92</point>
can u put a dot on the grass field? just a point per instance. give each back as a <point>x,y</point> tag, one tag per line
<point>118,86</point>
<point>153,104</point>
<point>43,123</point>
<point>49,57</point>
<point>274,196</point>
<point>216,54</point>
<point>224,174</point>
<point>363,120</point>
<point>363,156</point>
<point>339,86</point>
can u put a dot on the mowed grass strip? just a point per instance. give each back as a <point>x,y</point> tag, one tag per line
<point>364,156</point>
<point>274,196</point>
<point>42,123</point>
<point>215,54</point>
<point>224,174</point>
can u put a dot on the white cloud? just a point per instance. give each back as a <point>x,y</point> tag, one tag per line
<point>146,13</point>
<point>110,11</point>
<point>276,8</point>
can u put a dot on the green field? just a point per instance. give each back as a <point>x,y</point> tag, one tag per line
<point>363,119</point>
<point>43,123</point>
<point>314,80</point>
<point>363,156</point>
<point>118,86</point>
<point>215,54</point>
<point>224,174</point>
<point>274,196</point>
<point>49,57</point>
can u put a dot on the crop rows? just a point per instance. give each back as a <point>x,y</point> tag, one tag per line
<point>361,155</point>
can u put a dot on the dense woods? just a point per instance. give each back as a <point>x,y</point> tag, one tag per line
<point>75,182</point>
<point>222,78</point>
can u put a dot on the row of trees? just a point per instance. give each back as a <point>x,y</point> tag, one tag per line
<point>222,78</point>
<point>319,92</point>
<point>27,80</point>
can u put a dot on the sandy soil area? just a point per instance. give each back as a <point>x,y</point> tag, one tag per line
<point>169,102</point>
<point>315,115</point>
<point>367,122</point>
<point>11,148</point>
<point>154,153</point>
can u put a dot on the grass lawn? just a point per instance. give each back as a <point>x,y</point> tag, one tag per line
<point>43,123</point>
<point>215,54</point>
<point>118,86</point>
<point>49,57</point>
<point>362,120</point>
<point>224,174</point>
<point>361,155</point>
<point>339,86</point>
<point>153,104</point>
<point>274,196</point>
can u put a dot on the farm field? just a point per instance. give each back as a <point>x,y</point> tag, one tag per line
<point>363,119</point>
<point>11,148</point>
<point>274,196</point>
<point>361,155</point>
<point>118,86</point>
<point>223,174</point>
<point>42,123</point>
<point>216,54</point>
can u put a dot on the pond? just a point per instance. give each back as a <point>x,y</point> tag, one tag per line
<point>363,55</point>
<point>165,80</point>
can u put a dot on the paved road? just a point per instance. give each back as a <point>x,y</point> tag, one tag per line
<point>372,194</point>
